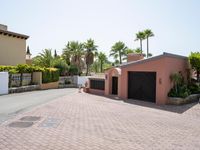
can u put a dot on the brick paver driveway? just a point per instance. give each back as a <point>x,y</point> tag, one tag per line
<point>88,122</point>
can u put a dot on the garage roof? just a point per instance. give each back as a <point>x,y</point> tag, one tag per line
<point>153,58</point>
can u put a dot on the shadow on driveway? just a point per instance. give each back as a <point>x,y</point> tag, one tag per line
<point>171,108</point>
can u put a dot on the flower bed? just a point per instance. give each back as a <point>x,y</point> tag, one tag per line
<point>180,101</point>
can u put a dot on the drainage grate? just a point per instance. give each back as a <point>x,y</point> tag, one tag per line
<point>30,118</point>
<point>19,124</point>
<point>50,122</point>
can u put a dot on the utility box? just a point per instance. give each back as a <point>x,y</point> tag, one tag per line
<point>4,81</point>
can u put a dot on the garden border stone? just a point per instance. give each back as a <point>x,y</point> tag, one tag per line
<point>180,101</point>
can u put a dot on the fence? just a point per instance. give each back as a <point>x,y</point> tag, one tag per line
<point>15,79</point>
<point>69,81</point>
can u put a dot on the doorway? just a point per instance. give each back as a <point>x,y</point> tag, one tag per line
<point>114,85</point>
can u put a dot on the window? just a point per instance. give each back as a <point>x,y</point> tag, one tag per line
<point>97,84</point>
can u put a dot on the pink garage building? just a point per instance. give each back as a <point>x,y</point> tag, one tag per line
<point>143,79</point>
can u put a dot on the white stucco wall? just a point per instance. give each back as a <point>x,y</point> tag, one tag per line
<point>4,83</point>
<point>82,80</point>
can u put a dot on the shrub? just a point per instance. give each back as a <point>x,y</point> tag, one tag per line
<point>13,71</point>
<point>179,88</point>
<point>73,70</point>
<point>10,69</point>
<point>194,88</point>
<point>61,65</point>
<point>194,59</point>
<point>180,91</point>
<point>50,75</point>
<point>22,68</point>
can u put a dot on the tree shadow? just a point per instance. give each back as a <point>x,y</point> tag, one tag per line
<point>171,108</point>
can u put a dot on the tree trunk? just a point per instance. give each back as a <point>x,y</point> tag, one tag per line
<point>141,46</point>
<point>147,47</point>
<point>120,57</point>
<point>87,69</point>
<point>101,66</point>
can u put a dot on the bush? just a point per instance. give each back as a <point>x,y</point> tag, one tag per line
<point>194,88</point>
<point>10,69</point>
<point>50,75</point>
<point>73,70</point>
<point>22,68</point>
<point>61,65</point>
<point>180,91</point>
<point>194,59</point>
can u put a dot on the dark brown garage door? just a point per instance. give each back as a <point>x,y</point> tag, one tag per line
<point>142,86</point>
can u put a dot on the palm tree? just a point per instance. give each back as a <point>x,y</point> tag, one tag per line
<point>66,54</point>
<point>76,50</point>
<point>118,51</point>
<point>91,49</point>
<point>44,59</point>
<point>55,53</point>
<point>95,66</point>
<point>128,51</point>
<point>102,59</point>
<point>137,51</point>
<point>148,33</point>
<point>140,36</point>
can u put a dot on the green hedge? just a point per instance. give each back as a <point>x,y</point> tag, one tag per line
<point>48,74</point>
<point>21,69</point>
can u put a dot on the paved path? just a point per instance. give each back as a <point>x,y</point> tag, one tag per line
<point>11,105</point>
<point>87,122</point>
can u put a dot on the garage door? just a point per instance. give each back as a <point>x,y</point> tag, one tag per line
<point>142,86</point>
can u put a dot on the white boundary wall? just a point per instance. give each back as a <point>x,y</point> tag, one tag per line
<point>4,81</point>
<point>82,80</point>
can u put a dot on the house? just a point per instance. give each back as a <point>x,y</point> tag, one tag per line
<point>12,47</point>
<point>142,79</point>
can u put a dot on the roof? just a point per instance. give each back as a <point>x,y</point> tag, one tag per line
<point>153,58</point>
<point>13,34</point>
<point>115,68</point>
<point>99,77</point>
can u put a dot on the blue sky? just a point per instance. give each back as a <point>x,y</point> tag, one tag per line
<point>51,23</point>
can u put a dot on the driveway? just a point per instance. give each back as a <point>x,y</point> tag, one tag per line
<point>81,121</point>
<point>11,105</point>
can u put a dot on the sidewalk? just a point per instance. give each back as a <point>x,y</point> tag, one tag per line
<point>88,122</point>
